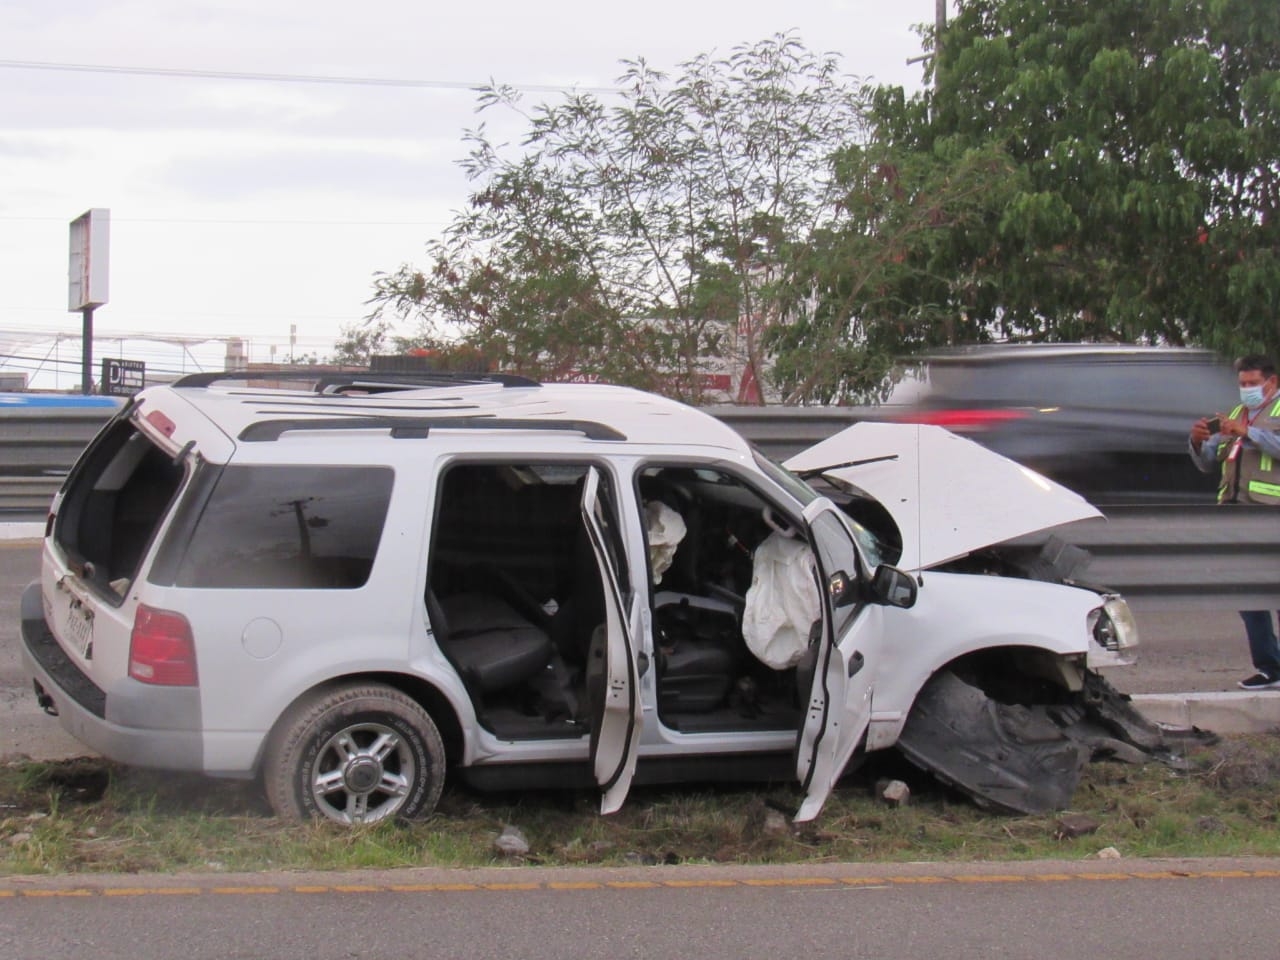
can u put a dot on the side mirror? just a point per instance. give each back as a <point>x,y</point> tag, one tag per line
<point>892,587</point>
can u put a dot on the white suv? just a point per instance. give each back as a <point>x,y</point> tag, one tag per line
<point>352,588</point>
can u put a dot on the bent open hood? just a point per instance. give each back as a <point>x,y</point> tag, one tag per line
<point>948,495</point>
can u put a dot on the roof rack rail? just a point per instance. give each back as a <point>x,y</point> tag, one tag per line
<point>404,428</point>
<point>361,381</point>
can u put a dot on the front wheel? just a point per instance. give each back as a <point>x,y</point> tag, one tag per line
<point>355,754</point>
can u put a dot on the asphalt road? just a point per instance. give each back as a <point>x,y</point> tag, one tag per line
<point>1176,910</point>
<point>1181,652</point>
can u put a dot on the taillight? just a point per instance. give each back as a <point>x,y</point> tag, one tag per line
<point>161,648</point>
<point>962,419</point>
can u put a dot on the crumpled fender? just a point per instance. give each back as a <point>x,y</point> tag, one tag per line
<point>979,613</point>
<point>1006,758</point>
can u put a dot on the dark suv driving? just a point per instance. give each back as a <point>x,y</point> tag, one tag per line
<point>1109,421</point>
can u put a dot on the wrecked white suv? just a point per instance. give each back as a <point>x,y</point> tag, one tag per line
<point>351,589</point>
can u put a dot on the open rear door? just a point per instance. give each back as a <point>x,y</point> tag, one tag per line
<point>613,677</point>
<point>840,697</point>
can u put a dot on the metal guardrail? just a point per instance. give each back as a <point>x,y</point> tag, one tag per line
<point>37,447</point>
<point>1179,557</point>
<point>26,497</point>
<point>781,432</point>
<point>1185,558</point>
<point>38,441</point>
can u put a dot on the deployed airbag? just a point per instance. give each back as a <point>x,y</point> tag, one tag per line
<point>782,602</point>
<point>665,529</point>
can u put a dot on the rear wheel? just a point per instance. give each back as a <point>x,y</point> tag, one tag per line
<point>355,754</point>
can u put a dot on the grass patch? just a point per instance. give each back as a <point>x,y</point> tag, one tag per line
<point>87,816</point>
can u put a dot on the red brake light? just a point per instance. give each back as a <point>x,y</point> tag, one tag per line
<point>161,423</point>
<point>161,648</point>
<point>962,419</point>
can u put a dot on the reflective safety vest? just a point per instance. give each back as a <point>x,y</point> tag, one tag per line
<point>1251,476</point>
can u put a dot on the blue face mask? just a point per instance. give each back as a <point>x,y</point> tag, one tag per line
<point>1251,396</point>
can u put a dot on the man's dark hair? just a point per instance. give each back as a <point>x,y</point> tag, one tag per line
<point>1256,361</point>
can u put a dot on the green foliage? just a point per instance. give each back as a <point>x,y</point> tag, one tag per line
<point>874,286</point>
<point>1146,141</point>
<point>642,241</point>
<point>1081,170</point>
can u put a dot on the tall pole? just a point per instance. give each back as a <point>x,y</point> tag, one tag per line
<point>87,280</point>
<point>86,352</point>
<point>939,25</point>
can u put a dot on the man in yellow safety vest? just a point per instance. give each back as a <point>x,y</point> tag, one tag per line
<point>1245,445</point>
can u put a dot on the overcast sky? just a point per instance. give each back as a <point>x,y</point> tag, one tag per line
<point>247,207</point>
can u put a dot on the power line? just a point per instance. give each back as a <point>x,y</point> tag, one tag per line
<point>294,77</point>
<point>52,364</point>
<point>238,222</point>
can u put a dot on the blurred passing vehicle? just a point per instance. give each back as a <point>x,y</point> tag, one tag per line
<point>1110,421</point>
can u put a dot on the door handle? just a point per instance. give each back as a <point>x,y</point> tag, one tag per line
<point>856,662</point>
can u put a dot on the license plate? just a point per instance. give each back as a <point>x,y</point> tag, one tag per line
<point>79,626</point>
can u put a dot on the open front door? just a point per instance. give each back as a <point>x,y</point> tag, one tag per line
<point>840,698</point>
<point>613,677</point>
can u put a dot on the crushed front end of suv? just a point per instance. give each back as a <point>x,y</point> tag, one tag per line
<point>356,587</point>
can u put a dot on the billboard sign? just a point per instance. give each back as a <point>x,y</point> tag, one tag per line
<point>87,271</point>
<point>122,378</point>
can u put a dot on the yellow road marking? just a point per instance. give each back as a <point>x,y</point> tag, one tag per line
<point>243,891</point>
<point>674,884</point>
<point>150,891</point>
<point>1105,876</point>
<point>58,893</point>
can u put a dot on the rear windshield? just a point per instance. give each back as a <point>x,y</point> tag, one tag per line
<point>302,527</point>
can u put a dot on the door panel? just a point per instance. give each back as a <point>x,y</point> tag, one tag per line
<point>612,671</point>
<point>839,706</point>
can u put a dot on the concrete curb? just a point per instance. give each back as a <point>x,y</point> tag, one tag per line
<point>21,531</point>
<point>1242,712</point>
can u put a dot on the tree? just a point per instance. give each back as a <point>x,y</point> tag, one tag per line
<point>1146,145</point>
<point>360,341</point>
<point>651,241</point>
<point>872,288</point>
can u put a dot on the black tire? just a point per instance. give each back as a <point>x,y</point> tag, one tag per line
<point>355,754</point>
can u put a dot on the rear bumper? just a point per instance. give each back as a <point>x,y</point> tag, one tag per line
<point>131,723</point>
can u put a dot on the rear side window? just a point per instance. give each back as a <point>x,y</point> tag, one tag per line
<point>305,527</point>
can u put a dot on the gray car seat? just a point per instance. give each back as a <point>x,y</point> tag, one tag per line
<point>491,645</point>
